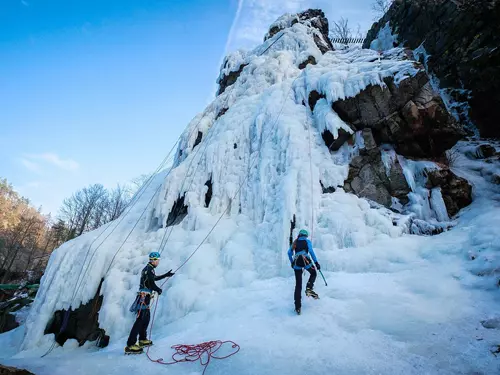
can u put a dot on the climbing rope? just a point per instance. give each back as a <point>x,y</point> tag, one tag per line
<point>203,352</point>
<point>312,200</point>
<point>312,188</point>
<point>131,204</point>
<point>168,232</point>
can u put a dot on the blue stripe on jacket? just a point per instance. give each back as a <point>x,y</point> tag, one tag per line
<point>311,254</point>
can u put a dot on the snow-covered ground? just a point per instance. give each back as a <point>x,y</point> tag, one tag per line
<point>395,303</point>
<point>405,305</point>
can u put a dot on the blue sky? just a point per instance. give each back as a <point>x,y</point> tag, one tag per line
<point>95,91</point>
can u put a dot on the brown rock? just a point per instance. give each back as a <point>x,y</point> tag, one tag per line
<point>310,60</point>
<point>456,191</point>
<point>368,178</point>
<point>461,39</point>
<point>314,18</point>
<point>485,151</point>
<point>370,143</point>
<point>332,143</point>
<point>230,79</point>
<point>314,96</point>
<point>409,115</point>
<point>4,370</point>
<point>495,179</point>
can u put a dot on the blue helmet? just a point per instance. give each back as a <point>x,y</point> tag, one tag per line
<point>154,255</point>
<point>303,232</point>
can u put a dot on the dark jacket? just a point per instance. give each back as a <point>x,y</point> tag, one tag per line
<point>301,247</point>
<point>148,278</point>
<point>147,285</point>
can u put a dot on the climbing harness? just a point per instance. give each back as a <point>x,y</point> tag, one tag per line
<point>142,300</point>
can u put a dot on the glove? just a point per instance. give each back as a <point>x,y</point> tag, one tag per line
<point>317,266</point>
<point>170,273</point>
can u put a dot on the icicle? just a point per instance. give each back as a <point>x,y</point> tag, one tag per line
<point>388,157</point>
<point>438,206</point>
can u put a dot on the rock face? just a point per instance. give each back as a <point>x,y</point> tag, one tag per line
<point>9,323</point>
<point>82,323</point>
<point>228,80</point>
<point>485,151</point>
<point>462,39</point>
<point>311,17</point>
<point>456,191</point>
<point>409,115</point>
<point>369,178</point>
<point>310,60</point>
<point>4,370</point>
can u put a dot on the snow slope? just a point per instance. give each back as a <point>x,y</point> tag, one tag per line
<point>395,303</point>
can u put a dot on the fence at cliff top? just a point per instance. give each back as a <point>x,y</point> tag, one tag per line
<point>348,40</point>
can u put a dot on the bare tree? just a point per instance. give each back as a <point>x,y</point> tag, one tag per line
<point>22,242</point>
<point>117,202</point>
<point>137,183</point>
<point>380,7</point>
<point>92,207</point>
<point>341,29</point>
<point>81,209</point>
<point>359,34</point>
<point>25,235</point>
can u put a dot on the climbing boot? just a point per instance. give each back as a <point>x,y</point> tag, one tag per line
<point>311,293</point>
<point>133,349</point>
<point>144,343</point>
<point>297,310</point>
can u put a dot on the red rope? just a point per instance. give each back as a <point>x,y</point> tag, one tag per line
<point>191,353</point>
<point>203,352</point>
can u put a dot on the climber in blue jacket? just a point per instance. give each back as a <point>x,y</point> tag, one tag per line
<point>300,254</point>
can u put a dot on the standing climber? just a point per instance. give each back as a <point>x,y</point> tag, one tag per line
<point>142,303</point>
<point>300,253</point>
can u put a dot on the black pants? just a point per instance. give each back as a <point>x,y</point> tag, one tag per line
<point>298,284</point>
<point>139,328</point>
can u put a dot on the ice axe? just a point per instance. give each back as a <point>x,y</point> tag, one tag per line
<point>323,277</point>
<point>316,268</point>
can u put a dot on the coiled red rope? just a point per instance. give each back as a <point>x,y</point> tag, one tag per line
<point>203,352</point>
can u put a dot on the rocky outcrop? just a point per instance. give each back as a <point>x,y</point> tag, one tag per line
<point>333,143</point>
<point>208,194</point>
<point>80,324</point>
<point>309,60</point>
<point>485,151</point>
<point>5,370</point>
<point>314,96</point>
<point>222,112</point>
<point>369,178</point>
<point>178,212</point>
<point>8,322</point>
<point>328,189</point>
<point>229,79</point>
<point>314,18</point>
<point>409,115</point>
<point>198,139</point>
<point>462,39</point>
<point>456,191</point>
